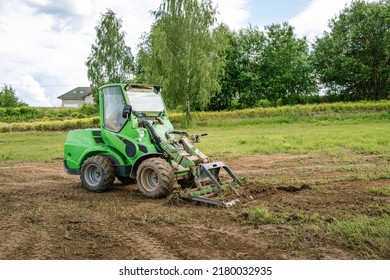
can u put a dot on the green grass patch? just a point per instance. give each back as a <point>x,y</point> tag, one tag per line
<point>369,235</point>
<point>258,215</point>
<point>334,139</point>
<point>380,191</point>
<point>31,146</point>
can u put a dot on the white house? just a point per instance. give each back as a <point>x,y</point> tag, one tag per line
<point>77,97</point>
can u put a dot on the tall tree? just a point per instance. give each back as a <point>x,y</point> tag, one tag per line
<point>229,74</point>
<point>110,61</point>
<point>250,45</point>
<point>286,72</point>
<point>182,52</point>
<point>8,97</point>
<point>354,57</point>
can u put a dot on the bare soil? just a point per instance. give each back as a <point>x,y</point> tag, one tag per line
<point>47,214</point>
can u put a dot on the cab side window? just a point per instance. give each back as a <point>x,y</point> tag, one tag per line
<point>112,107</point>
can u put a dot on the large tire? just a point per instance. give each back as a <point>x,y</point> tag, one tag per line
<point>155,178</point>
<point>127,180</point>
<point>97,174</point>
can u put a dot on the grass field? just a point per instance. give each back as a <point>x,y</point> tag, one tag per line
<point>237,138</point>
<point>333,139</point>
<point>31,146</point>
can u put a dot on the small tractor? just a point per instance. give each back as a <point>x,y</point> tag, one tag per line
<point>136,143</point>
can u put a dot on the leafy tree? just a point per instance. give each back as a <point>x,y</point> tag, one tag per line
<point>240,78</point>
<point>271,65</point>
<point>250,48</point>
<point>286,72</point>
<point>228,76</point>
<point>182,53</point>
<point>8,97</point>
<point>353,59</point>
<point>110,61</point>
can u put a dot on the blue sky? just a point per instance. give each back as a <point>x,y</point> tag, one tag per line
<point>45,43</point>
<point>275,11</point>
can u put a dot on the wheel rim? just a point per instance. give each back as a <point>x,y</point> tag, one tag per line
<point>149,179</point>
<point>93,175</point>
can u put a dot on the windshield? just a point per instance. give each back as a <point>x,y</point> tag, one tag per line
<point>145,102</point>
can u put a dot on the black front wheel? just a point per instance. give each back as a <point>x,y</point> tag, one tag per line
<point>97,174</point>
<point>155,178</point>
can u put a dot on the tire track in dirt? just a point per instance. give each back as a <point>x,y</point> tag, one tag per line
<point>141,241</point>
<point>242,243</point>
<point>26,208</point>
<point>15,239</point>
<point>147,247</point>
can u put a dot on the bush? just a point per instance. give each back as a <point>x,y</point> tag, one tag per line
<point>289,112</point>
<point>20,114</point>
<point>89,109</point>
<point>51,125</point>
<point>263,103</point>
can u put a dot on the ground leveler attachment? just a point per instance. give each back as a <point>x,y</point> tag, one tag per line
<point>210,173</point>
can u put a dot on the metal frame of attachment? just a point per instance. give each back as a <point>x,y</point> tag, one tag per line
<point>210,171</point>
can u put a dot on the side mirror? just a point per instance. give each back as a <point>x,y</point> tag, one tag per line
<point>126,112</point>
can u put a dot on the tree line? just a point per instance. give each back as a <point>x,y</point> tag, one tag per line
<point>204,65</point>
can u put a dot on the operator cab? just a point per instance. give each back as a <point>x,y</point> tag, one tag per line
<point>144,102</point>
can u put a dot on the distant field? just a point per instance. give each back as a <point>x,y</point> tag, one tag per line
<point>65,119</point>
<point>308,138</point>
<point>236,138</point>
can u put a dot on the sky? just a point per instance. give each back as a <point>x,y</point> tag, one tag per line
<point>44,43</point>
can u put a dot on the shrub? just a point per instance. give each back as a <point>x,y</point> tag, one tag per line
<point>89,109</point>
<point>19,114</point>
<point>51,125</point>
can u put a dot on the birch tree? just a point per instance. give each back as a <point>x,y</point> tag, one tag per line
<point>182,53</point>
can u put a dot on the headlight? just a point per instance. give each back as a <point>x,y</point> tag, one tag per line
<point>141,134</point>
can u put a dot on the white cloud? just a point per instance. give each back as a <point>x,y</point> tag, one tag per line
<point>313,21</point>
<point>32,91</point>
<point>234,13</point>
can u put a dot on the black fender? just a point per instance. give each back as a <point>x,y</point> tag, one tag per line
<point>133,173</point>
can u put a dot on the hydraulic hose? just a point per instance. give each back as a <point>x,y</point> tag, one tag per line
<point>152,131</point>
<point>161,144</point>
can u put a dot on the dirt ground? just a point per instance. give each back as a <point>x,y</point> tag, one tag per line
<point>46,214</point>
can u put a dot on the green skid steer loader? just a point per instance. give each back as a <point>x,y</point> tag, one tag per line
<point>138,144</point>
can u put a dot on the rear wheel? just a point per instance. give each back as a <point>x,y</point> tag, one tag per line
<point>155,178</point>
<point>97,174</point>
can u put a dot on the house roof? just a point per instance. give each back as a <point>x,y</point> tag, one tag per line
<point>78,93</point>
